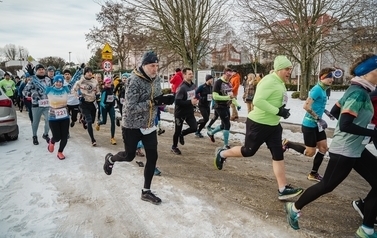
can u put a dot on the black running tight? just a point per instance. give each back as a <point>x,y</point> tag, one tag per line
<point>60,131</point>
<point>130,138</point>
<point>337,170</point>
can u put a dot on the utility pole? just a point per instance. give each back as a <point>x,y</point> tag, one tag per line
<point>69,58</point>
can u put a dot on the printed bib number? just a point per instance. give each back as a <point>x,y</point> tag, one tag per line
<point>43,103</point>
<point>190,94</point>
<point>122,101</point>
<point>60,113</point>
<point>110,98</point>
<point>209,97</point>
<point>367,138</point>
<point>146,131</point>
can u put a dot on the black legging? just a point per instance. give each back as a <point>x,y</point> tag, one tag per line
<point>213,119</point>
<point>224,115</point>
<point>60,131</point>
<point>337,170</point>
<point>191,122</point>
<point>205,111</point>
<point>130,138</point>
<point>73,110</point>
<point>88,110</point>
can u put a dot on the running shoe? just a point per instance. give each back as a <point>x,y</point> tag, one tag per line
<point>72,124</point>
<point>60,156</point>
<point>113,141</point>
<point>361,234</point>
<point>108,166</point>
<point>46,137</point>
<point>176,151</point>
<point>358,205</point>
<point>35,140</point>
<point>292,217</point>
<point>50,147</point>
<point>198,135</point>
<point>181,139</point>
<point>139,153</point>
<point>211,137</point>
<point>315,177</point>
<point>289,192</point>
<point>157,172</point>
<point>160,132</point>
<point>226,147</point>
<point>150,197</point>
<point>94,143</point>
<point>97,126</point>
<point>284,144</point>
<point>219,161</point>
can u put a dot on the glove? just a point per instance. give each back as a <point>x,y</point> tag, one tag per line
<point>98,96</point>
<point>238,108</point>
<point>82,65</point>
<point>167,99</point>
<point>329,115</point>
<point>283,112</point>
<point>322,123</point>
<point>81,99</point>
<point>30,69</point>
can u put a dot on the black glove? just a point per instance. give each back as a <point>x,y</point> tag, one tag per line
<point>30,69</point>
<point>81,99</point>
<point>322,123</point>
<point>329,115</point>
<point>167,99</point>
<point>82,65</point>
<point>283,112</point>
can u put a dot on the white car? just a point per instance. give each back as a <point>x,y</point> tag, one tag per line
<point>8,118</point>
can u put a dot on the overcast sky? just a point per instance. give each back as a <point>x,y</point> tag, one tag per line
<point>48,27</point>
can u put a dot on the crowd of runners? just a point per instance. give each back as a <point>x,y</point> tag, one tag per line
<point>65,100</point>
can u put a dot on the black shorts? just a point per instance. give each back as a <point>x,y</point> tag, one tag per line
<point>257,134</point>
<point>312,136</point>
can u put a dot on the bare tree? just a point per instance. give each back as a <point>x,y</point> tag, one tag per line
<point>12,52</point>
<point>57,62</point>
<point>118,27</point>
<point>300,29</point>
<point>187,27</point>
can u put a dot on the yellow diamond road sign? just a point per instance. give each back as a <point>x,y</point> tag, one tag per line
<point>107,52</point>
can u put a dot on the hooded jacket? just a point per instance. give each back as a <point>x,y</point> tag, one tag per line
<point>139,110</point>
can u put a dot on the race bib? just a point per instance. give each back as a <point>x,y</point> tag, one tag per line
<point>209,97</point>
<point>59,113</point>
<point>43,103</point>
<point>146,131</point>
<point>190,94</point>
<point>122,101</point>
<point>110,98</point>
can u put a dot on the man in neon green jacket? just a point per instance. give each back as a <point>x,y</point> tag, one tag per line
<point>8,86</point>
<point>263,125</point>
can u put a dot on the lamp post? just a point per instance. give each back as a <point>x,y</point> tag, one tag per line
<point>69,57</point>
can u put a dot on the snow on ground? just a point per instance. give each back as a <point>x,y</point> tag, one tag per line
<point>41,196</point>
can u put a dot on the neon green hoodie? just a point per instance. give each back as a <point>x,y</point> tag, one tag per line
<point>9,86</point>
<point>269,96</point>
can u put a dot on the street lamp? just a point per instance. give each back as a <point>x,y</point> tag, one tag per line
<point>69,58</point>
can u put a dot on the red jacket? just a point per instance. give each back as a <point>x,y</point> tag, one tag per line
<point>175,81</point>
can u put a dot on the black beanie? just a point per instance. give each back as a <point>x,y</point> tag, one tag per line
<point>208,77</point>
<point>39,66</point>
<point>87,69</point>
<point>149,57</point>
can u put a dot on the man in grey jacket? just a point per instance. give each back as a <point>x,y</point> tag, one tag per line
<point>143,91</point>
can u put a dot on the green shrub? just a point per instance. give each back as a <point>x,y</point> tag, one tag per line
<point>295,94</point>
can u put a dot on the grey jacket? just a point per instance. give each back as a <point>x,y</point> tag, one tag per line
<point>138,110</point>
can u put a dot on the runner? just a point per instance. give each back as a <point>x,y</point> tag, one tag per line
<point>36,89</point>
<point>58,115</point>
<point>204,93</point>
<point>87,89</point>
<point>347,150</point>
<point>184,110</point>
<point>106,105</point>
<point>313,126</point>
<point>223,97</point>
<point>263,125</point>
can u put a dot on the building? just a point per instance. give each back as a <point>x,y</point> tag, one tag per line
<point>226,55</point>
